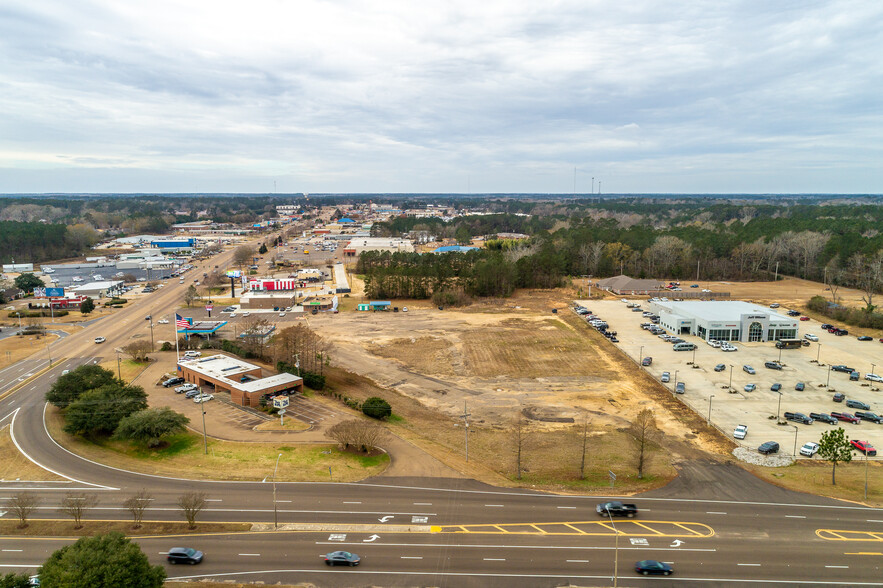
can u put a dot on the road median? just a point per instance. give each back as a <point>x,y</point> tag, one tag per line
<point>341,528</point>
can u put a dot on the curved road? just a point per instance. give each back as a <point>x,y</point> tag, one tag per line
<point>716,524</point>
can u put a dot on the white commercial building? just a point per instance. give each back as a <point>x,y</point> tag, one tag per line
<point>724,320</point>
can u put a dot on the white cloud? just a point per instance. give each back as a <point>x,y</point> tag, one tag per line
<point>404,96</point>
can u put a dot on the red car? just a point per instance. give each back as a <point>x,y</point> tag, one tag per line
<point>864,447</point>
<point>804,318</point>
<point>845,416</point>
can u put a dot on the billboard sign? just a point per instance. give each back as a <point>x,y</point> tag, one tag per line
<point>280,401</point>
<point>55,292</point>
<point>234,273</point>
<point>209,307</point>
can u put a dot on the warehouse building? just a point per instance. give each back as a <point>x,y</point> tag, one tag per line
<point>244,381</point>
<point>724,320</point>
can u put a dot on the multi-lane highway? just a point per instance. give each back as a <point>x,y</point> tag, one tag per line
<point>726,529</point>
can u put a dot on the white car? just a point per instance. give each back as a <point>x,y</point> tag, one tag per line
<point>246,313</point>
<point>728,347</point>
<point>874,378</point>
<point>716,344</point>
<point>811,337</point>
<point>809,449</point>
<point>281,314</point>
<point>162,321</point>
<point>203,398</point>
<point>100,339</point>
<point>740,432</point>
<point>186,388</point>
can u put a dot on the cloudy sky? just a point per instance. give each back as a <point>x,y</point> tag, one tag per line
<point>428,96</point>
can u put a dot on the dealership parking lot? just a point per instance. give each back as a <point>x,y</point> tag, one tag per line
<point>709,392</point>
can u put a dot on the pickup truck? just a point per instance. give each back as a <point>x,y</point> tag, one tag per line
<point>798,417</point>
<point>617,509</point>
<point>740,432</point>
<point>842,368</point>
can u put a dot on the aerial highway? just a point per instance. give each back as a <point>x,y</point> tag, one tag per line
<point>437,532</point>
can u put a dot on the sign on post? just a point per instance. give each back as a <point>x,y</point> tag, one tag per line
<point>612,477</point>
<point>280,402</point>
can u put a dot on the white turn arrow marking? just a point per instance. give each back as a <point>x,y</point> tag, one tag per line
<point>386,518</point>
<point>371,539</point>
<point>676,543</point>
<point>2,512</point>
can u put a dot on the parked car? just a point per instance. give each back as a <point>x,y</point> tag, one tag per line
<point>203,398</point>
<point>873,378</point>
<point>793,313</point>
<point>172,381</point>
<point>748,369</point>
<point>162,322</point>
<point>646,361</point>
<point>768,448</point>
<point>865,338</point>
<point>811,337</point>
<point>809,449</point>
<point>800,386</point>
<point>186,555</point>
<point>776,387</point>
<point>804,318</point>
<point>869,416</point>
<point>750,387</point>
<point>649,567</point>
<point>680,388</point>
<point>192,393</point>
<point>342,558</point>
<point>846,417</point>
<point>100,339</point>
<point>826,326</point>
<point>858,404</point>
<point>185,388</point>
<point>798,417</point>
<point>839,397</point>
<point>720,367</point>
<point>863,446</point>
<point>774,305</point>
<point>666,377</point>
<point>773,365</point>
<point>741,431</point>
<point>823,417</point>
<point>728,347</point>
<point>842,368</point>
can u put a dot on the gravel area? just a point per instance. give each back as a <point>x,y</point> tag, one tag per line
<point>770,461</point>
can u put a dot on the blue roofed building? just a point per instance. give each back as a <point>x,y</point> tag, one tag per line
<point>454,249</point>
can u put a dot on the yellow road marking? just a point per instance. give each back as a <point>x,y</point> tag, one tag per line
<point>841,535</point>
<point>863,553</point>
<point>627,528</point>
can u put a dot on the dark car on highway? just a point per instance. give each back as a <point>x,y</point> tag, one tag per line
<point>858,404</point>
<point>768,447</point>
<point>864,447</point>
<point>186,555</point>
<point>649,567</point>
<point>342,558</point>
<point>824,417</point>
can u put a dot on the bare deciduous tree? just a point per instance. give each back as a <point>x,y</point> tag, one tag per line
<point>191,504</point>
<point>362,434</point>
<point>23,504</point>
<point>643,432</point>
<point>76,504</point>
<point>137,504</point>
<point>137,350</point>
<point>243,255</point>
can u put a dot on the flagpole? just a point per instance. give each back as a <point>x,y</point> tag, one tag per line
<point>175,323</point>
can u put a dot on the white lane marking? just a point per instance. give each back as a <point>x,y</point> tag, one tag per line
<point>495,505</point>
<point>566,507</point>
<point>874,521</point>
<point>583,547</point>
<point>283,501</point>
<point>764,582</point>
<point>411,557</point>
<point>577,561</point>
<point>493,559</point>
<point>213,500</point>
<point>839,567</point>
<point>715,512</point>
<point>755,565</point>
<point>795,517</point>
<point>250,554</point>
<point>12,550</point>
<point>352,502</point>
<point>163,552</point>
<point>422,504</point>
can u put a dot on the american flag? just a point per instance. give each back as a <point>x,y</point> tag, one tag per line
<point>181,322</point>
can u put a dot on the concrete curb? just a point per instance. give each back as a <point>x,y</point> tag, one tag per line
<point>326,527</point>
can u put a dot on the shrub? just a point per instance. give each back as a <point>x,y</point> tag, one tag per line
<point>166,346</point>
<point>376,408</point>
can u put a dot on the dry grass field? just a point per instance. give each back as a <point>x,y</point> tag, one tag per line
<point>15,466</point>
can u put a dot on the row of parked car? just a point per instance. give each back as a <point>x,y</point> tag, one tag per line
<point>596,321</point>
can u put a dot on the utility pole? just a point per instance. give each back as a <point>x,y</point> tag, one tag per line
<point>465,416</point>
<point>275,514</point>
<point>582,465</point>
<point>204,436</point>
<point>777,272</point>
<point>616,557</point>
<point>151,334</point>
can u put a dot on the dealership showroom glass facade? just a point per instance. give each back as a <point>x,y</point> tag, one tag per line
<point>724,320</point>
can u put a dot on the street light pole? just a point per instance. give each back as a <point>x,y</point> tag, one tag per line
<point>709,408</point>
<point>779,408</point>
<point>275,514</point>
<point>818,351</point>
<point>730,385</point>
<point>829,378</point>
<point>676,379</point>
<point>866,475</point>
<point>616,548</point>
<point>796,430</point>
<point>641,356</point>
<point>151,334</point>
<point>204,435</point>
<point>119,369</point>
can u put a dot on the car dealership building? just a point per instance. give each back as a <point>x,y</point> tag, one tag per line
<point>724,320</point>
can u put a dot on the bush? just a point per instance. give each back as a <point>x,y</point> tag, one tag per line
<point>314,381</point>
<point>376,408</point>
<point>451,298</point>
<point>37,313</point>
<point>166,346</point>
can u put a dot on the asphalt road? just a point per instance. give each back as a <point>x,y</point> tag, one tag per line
<point>717,525</point>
